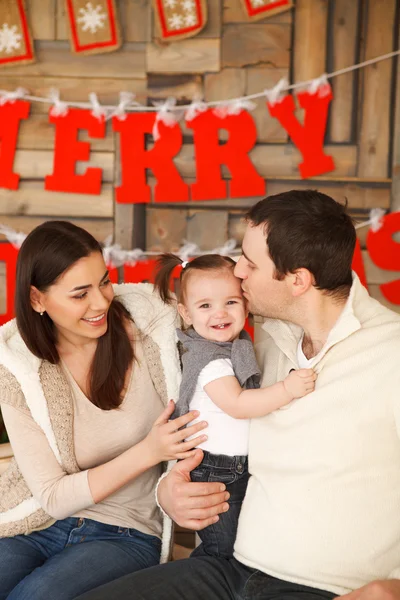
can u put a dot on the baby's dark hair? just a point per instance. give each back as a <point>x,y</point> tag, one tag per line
<point>167,262</point>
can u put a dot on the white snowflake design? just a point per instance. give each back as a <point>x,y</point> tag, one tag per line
<point>188,5</point>
<point>92,18</point>
<point>175,22</point>
<point>257,3</point>
<point>190,19</point>
<point>9,39</point>
<point>170,3</point>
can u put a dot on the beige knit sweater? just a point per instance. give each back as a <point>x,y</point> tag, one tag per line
<point>32,384</point>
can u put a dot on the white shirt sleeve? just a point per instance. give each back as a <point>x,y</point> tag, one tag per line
<point>222,367</point>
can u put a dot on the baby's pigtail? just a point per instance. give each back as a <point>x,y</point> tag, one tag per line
<point>165,264</point>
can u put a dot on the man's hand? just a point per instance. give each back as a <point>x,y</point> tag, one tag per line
<point>388,589</point>
<point>190,504</point>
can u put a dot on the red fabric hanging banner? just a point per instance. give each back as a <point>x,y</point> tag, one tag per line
<point>68,150</point>
<point>11,115</point>
<point>211,156</point>
<point>385,253</point>
<point>15,38</point>
<point>135,159</point>
<point>9,254</point>
<point>309,138</point>
<point>259,9</point>
<point>179,19</point>
<point>93,26</point>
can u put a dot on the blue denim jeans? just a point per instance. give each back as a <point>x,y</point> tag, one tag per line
<point>71,557</point>
<point>218,539</point>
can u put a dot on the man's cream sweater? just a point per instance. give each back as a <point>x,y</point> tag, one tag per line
<point>323,503</point>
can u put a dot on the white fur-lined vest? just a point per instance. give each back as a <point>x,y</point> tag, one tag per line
<point>28,382</point>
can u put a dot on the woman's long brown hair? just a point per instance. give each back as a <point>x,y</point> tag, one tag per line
<point>166,263</point>
<point>47,252</point>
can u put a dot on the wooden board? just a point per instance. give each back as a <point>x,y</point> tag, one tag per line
<point>310,29</point>
<point>192,55</point>
<point>99,228</point>
<point>31,199</point>
<point>36,164</point>
<point>376,91</point>
<point>42,18</point>
<point>55,58</point>
<point>166,229</point>
<point>343,53</point>
<point>256,44</point>
<point>207,229</point>
<point>135,19</point>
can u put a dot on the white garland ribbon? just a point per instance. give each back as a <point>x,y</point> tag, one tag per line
<point>60,109</point>
<point>98,111</point>
<point>164,115</point>
<point>375,220</point>
<point>6,96</point>
<point>197,107</point>
<point>273,95</point>
<point>125,99</point>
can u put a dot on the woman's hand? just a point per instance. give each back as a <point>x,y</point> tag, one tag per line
<point>165,439</point>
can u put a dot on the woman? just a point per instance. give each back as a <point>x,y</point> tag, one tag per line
<point>85,378</point>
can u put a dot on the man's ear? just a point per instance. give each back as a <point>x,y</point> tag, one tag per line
<point>36,300</point>
<point>183,311</point>
<point>300,281</point>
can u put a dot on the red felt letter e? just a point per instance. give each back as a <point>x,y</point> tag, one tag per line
<point>68,149</point>
<point>11,113</point>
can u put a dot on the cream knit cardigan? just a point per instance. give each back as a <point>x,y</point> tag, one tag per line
<point>30,383</point>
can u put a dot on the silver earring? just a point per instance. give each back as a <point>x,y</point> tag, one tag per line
<point>41,314</point>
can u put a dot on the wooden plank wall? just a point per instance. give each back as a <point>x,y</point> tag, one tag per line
<point>229,58</point>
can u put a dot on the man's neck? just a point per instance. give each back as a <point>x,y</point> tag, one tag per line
<point>317,321</point>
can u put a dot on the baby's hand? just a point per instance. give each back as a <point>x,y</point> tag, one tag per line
<point>299,383</point>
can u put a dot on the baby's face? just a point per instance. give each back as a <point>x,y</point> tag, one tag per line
<point>214,305</point>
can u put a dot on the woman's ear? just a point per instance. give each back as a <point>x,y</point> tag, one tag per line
<point>183,311</point>
<point>37,300</point>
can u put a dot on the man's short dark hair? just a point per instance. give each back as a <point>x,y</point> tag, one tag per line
<point>308,229</point>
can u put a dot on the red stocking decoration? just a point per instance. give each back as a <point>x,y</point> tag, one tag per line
<point>358,264</point>
<point>211,155</point>
<point>179,19</point>
<point>93,26</point>
<point>309,138</point>
<point>68,149</point>
<point>16,40</point>
<point>385,253</point>
<point>11,114</point>
<point>9,254</point>
<point>135,159</point>
<point>259,9</point>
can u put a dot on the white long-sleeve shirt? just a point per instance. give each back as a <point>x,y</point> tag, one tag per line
<point>323,503</point>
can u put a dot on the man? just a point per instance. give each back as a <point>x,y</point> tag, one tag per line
<point>321,516</point>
